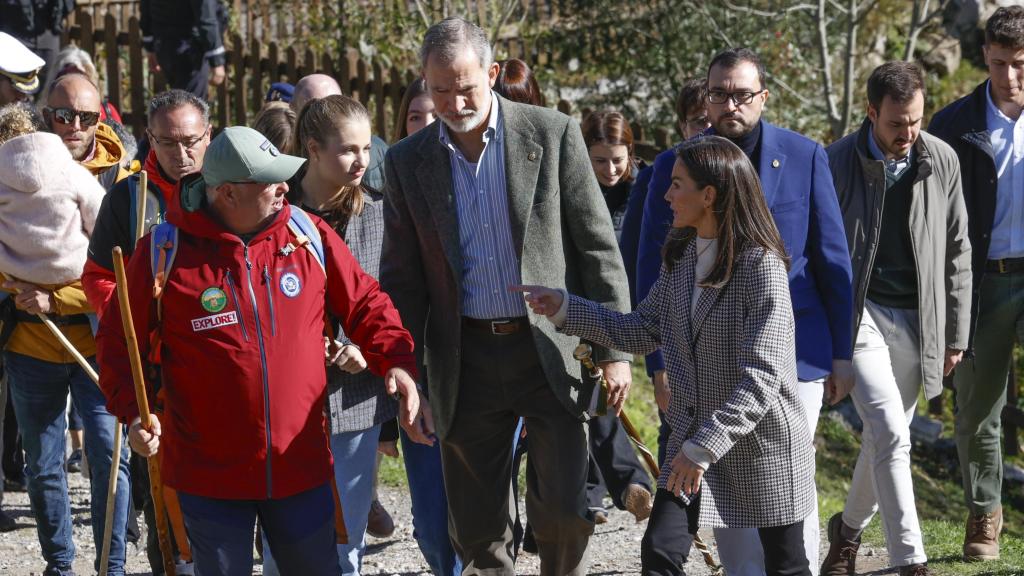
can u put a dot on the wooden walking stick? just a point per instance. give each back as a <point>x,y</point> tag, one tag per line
<point>583,353</point>
<point>155,483</point>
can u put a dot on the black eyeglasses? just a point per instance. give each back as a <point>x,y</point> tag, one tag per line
<point>738,98</point>
<point>68,115</point>
<point>188,144</point>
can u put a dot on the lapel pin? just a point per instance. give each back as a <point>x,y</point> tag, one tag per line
<point>532,156</point>
<point>775,163</point>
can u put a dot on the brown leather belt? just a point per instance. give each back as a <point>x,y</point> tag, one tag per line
<point>1005,266</point>
<point>498,326</point>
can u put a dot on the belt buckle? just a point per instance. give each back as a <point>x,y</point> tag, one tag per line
<point>1002,265</point>
<point>496,324</point>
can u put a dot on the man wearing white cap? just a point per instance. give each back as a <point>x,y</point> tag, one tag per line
<point>19,70</point>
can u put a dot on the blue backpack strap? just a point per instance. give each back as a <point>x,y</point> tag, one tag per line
<point>306,234</point>
<point>163,246</point>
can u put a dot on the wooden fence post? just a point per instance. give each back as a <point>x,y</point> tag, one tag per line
<point>378,95</point>
<point>136,76</point>
<point>86,40</point>
<point>113,63</point>
<point>237,56</point>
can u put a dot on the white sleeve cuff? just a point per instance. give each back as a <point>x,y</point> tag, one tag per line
<point>559,317</point>
<point>698,455</point>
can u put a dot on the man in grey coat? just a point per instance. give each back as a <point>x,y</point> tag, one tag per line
<point>495,195</point>
<point>906,224</point>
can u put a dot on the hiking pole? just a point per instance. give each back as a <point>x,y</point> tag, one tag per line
<point>66,344</point>
<point>155,483</point>
<point>583,353</point>
<point>140,209</point>
<point>108,528</point>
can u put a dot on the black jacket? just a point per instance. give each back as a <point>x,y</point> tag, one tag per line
<point>30,18</point>
<point>198,21</point>
<point>963,125</point>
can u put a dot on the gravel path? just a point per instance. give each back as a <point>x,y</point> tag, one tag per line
<point>614,548</point>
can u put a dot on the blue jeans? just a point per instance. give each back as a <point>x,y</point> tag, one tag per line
<point>429,506</point>
<point>39,392</point>
<point>299,527</point>
<point>355,454</point>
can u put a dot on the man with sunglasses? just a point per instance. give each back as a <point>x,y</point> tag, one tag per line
<point>799,190</point>
<point>73,112</point>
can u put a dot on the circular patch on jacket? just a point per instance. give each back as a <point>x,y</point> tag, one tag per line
<point>213,299</point>
<point>291,285</point>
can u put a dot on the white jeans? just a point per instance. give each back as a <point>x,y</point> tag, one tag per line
<point>887,364</point>
<point>740,548</point>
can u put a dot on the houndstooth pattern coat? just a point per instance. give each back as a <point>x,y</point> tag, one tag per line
<point>732,372</point>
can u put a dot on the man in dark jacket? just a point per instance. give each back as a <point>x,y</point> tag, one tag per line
<point>899,188</point>
<point>985,129</point>
<point>185,41</point>
<point>37,24</point>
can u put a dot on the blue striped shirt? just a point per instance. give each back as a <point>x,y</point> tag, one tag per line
<point>489,261</point>
<point>1007,138</point>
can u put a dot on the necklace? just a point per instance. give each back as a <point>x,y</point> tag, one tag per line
<point>701,251</point>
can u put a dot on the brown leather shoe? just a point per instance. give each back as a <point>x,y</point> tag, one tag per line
<point>379,523</point>
<point>915,570</point>
<point>638,502</point>
<point>982,540</point>
<point>842,553</point>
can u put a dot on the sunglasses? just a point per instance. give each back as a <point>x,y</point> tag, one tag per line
<point>68,115</point>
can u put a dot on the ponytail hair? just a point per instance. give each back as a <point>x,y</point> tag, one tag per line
<point>318,120</point>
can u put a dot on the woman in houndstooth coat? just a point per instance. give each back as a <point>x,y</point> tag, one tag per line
<point>721,314</point>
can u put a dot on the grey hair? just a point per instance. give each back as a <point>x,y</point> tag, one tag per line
<point>448,36</point>
<point>174,99</point>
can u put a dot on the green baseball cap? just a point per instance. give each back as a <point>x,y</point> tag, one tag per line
<point>238,154</point>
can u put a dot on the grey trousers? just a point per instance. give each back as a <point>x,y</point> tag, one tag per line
<point>501,380</point>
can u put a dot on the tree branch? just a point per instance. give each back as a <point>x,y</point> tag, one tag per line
<point>826,64</point>
<point>764,13</point>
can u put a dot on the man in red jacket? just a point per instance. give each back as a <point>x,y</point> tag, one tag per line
<point>242,360</point>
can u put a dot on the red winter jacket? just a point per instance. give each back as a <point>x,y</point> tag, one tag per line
<point>243,354</point>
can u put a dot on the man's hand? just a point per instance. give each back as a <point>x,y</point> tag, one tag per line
<point>217,75</point>
<point>662,393</point>
<point>619,378</point>
<point>685,476</point>
<point>145,443</point>
<point>413,410</point>
<point>839,383</point>
<point>953,357</point>
<point>31,298</point>
<point>543,301</point>
<point>349,359</point>
<point>388,448</point>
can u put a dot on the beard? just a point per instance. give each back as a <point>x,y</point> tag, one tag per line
<point>464,121</point>
<point>733,127</point>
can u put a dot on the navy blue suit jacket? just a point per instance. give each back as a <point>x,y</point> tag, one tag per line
<point>799,191</point>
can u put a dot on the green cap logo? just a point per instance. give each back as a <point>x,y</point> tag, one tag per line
<point>213,299</point>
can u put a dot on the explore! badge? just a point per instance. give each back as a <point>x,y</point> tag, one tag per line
<point>213,299</point>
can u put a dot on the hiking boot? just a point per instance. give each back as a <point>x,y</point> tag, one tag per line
<point>982,540</point>
<point>842,553</point>
<point>74,463</point>
<point>638,501</point>
<point>6,522</point>
<point>379,524</point>
<point>915,570</point>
